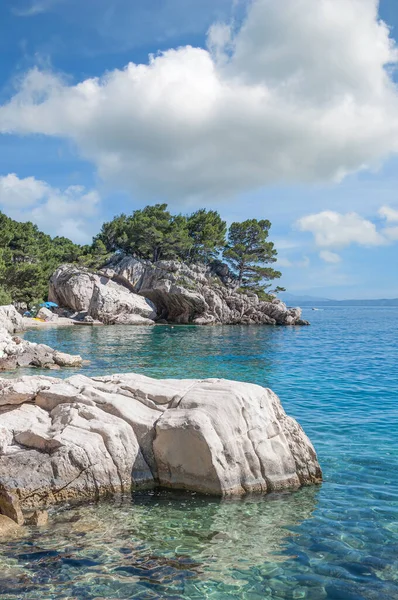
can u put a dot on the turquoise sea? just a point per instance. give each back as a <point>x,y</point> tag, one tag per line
<point>338,541</point>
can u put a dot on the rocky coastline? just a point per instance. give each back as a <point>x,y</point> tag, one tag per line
<point>138,292</point>
<point>85,438</point>
<point>16,352</point>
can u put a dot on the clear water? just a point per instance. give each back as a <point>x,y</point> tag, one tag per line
<point>337,541</point>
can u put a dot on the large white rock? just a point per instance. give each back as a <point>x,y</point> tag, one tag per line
<point>10,319</point>
<point>72,287</point>
<point>181,293</point>
<point>108,301</point>
<point>83,438</point>
<point>112,303</point>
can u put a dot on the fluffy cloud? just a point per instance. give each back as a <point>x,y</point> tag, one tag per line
<point>68,212</point>
<point>330,257</point>
<point>284,262</point>
<point>335,230</point>
<point>18,193</point>
<point>389,214</point>
<point>300,93</point>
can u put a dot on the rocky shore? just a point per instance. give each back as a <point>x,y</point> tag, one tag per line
<point>16,352</point>
<point>83,438</point>
<point>131,291</point>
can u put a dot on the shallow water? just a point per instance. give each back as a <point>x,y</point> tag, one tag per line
<point>337,541</point>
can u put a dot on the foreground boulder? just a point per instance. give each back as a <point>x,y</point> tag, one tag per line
<point>82,438</point>
<point>134,291</point>
<point>16,352</point>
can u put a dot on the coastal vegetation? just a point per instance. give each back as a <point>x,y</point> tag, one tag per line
<point>28,256</point>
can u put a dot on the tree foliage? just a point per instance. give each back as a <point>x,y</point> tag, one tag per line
<point>28,257</point>
<point>207,232</point>
<point>248,252</point>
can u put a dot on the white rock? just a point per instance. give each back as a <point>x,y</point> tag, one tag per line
<point>46,314</point>
<point>111,303</point>
<point>67,360</point>
<point>88,437</point>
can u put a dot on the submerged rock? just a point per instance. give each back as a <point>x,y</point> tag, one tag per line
<point>8,527</point>
<point>131,291</point>
<point>82,438</point>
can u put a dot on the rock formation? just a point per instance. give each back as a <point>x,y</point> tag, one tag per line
<point>82,438</point>
<point>16,352</point>
<point>129,291</point>
<point>101,298</point>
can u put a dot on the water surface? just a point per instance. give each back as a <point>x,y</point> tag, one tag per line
<point>338,541</point>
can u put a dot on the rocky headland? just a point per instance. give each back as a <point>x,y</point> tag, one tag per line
<point>16,352</point>
<point>131,291</point>
<point>83,438</point>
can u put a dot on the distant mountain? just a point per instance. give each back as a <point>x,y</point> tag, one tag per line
<point>305,300</point>
<point>286,297</point>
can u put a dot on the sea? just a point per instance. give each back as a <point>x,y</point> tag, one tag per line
<point>336,541</point>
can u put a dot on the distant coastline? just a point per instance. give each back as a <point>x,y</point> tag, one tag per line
<point>306,301</point>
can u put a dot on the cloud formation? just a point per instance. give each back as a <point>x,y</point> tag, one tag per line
<point>68,212</point>
<point>335,230</point>
<point>330,257</point>
<point>302,92</point>
<point>36,7</point>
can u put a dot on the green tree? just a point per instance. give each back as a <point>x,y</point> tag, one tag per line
<point>248,252</point>
<point>28,257</point>
<point>115,234</point>
<point>207,231</point>
<point>5,296</point>
<point>151,233</point>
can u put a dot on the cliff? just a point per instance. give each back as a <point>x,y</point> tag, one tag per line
<point>128,290</point>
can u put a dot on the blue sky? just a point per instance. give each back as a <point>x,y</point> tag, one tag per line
<point>289,114</point>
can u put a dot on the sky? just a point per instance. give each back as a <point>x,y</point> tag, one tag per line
<point>256,108</point>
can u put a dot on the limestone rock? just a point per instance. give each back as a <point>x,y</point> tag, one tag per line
<point>10,506</point>
<point>171,290</point>
<point>82,438</point>
<point>67,360</point>
<point>72,288</point>
<point>46,314</point>
<point>17,352</point>
<point>112,303</point>
<point>8,527</point>
<point>39,518</point>
<point>101,298</point>
<point>10,319</point>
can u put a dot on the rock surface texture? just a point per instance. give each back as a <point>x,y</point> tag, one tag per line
<point>16,352</point>
<point>135,291</point>
<point>101,298</point>
<point>83,438</point>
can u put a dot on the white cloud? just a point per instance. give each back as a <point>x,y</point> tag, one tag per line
<point>35,8</point>
<point>388,213</point>
<point>336,230</point>
<point>21,193</point>
<point>284,262</point>
<point>301,93</point>
<point>68,212</point>
<point>391,233</point>
<point>330,257</point>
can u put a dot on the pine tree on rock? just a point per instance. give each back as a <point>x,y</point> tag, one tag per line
<point>248,252</point>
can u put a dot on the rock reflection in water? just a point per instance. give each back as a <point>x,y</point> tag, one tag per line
<point>160,543</point>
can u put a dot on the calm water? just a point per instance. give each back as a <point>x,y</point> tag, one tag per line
<point>338,541</point>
